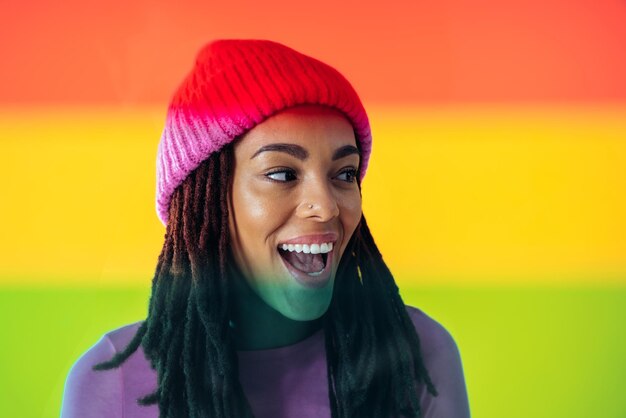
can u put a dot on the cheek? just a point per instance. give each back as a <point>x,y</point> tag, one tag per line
<point>257,214</point>
<point>351,211</point>
<point>250,207</point>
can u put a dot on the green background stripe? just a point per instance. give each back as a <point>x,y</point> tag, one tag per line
<point>527,352</point>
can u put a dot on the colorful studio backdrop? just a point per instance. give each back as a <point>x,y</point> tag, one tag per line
<point>496,191</point>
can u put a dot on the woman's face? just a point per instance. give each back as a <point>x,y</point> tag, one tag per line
<point>294,205</point>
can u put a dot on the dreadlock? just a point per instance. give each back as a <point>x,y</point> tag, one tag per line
<point>372,348</point>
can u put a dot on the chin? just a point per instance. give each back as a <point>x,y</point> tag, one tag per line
<point>305,316</point>
<point>307,311</point>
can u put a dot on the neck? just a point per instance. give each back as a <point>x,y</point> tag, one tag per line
<point>257,326</point>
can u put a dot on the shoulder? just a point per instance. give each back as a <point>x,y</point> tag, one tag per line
<point>97,393</point>
<point>120,337</point>
<point>442,360</point>
<point>110,344</point>
<point>433,336</point>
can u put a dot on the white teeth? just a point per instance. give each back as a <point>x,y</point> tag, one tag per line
<point>322,248</point>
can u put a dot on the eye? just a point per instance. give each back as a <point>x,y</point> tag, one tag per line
<point>348,175</point>
<point>282,175</point>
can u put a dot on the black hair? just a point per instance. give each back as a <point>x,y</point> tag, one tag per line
<point>372,348</point>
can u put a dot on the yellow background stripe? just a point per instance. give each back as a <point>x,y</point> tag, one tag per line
<point>470,194</point>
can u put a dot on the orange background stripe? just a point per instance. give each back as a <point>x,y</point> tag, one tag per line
<point>399,51</point>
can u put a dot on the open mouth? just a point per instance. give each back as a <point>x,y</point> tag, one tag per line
<point>309,263</point>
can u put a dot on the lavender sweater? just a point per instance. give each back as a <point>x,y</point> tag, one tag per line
<point>283,382</point>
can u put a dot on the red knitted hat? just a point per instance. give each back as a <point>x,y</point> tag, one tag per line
<point>235,85</point>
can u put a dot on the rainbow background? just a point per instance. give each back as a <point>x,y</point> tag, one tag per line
<point>496,189</point>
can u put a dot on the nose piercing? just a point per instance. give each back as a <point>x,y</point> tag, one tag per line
<point>310,206</point>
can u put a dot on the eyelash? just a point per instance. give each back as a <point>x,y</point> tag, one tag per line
<point>352,172</point>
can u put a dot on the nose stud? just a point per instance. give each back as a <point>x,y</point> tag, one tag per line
<point>310,206</point>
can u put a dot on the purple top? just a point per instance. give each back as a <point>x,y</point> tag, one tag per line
<point>282,382</point>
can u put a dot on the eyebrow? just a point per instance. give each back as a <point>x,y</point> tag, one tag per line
<point>302,154</point>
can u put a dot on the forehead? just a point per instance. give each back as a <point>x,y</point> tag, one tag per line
<point>308,126</point>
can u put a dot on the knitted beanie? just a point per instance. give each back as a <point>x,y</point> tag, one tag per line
<point>235,85</point>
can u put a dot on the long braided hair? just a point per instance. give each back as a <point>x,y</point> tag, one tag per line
<point>372,349</point>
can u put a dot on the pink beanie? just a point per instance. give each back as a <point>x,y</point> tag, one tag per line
<point>235,85</point>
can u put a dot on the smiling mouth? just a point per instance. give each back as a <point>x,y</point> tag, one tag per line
<point>311,264</point>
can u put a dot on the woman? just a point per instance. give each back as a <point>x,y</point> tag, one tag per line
<point>270,298</point>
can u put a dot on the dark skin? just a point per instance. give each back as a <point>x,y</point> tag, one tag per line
<point>257,326</point>
<point>294,179</point>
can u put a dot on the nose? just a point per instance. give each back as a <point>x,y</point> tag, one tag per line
<point>318,202</point>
